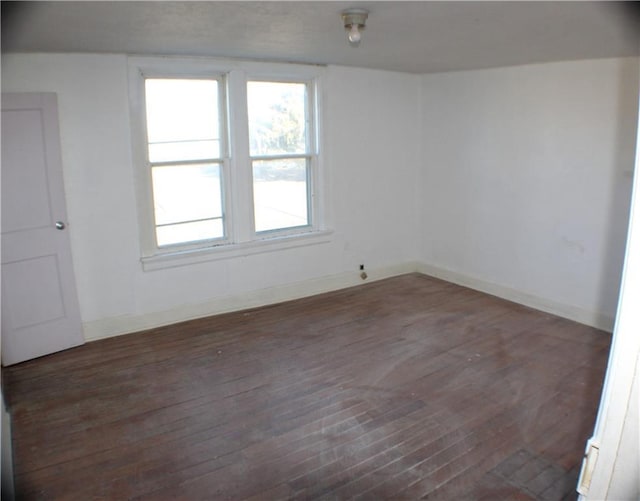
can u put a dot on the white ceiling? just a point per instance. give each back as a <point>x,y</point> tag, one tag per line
<point>417,37</point>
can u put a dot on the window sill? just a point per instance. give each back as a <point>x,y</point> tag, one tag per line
<point>231,251</point>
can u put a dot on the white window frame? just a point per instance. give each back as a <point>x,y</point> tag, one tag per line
<point>311,154</point>
<point>237,175</point>
<point>222,161</point>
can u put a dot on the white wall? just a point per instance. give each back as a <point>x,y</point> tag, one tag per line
<point>526,178</point>
<point>513,180</point>
<point>371,123</point>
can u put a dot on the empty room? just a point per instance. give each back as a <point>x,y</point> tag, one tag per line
<point>320,250</point>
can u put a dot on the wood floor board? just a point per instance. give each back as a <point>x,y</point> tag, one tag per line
<point>487,446</point>
<point>404,388</point>
<point>198,426</point>
<point>296,457</point>
<point>376,437</point>
<point>446,428</point>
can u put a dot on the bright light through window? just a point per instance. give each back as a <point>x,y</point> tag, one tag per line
<point>277,118</point>
<point>280,193</point>
<point>183,120</point>
<point>279,149</point>
<point>183,129</point>
<point>228,157</point>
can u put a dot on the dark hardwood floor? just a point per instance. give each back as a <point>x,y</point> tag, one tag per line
<point>405,388</point>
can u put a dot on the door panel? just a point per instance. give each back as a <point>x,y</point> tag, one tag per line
<point>40,313</point>
<point>32,292</point>
<point>26,204</point>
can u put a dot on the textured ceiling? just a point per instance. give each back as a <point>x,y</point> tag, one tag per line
<point>417,37</point>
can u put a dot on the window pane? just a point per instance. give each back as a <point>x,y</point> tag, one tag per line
<point>183,119</point>
<point>277,118</point>
<point>280,193</point>
<point>185,150</point>
<point>189,232</point>
<point>184,193</point>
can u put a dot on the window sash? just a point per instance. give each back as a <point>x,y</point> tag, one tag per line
<point>307,122</point>
<point>220,119</point>
<point>204,200</point>
<point>235,162</point>
<point>162,232</point>
<point>267,200</point>
<point>309,155</point>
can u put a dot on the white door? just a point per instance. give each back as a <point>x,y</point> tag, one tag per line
<point>611,467</point>
<point>40,313</point>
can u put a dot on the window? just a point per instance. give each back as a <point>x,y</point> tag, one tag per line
<point>185,153</point>
<point>227,155</point>
<point>279,147</point>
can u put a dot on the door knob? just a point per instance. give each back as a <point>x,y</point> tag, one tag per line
<point>60,225</point>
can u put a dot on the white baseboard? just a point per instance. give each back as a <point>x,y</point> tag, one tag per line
<point>116,326</point>
<point>126,324</point>
<point>592,318</point>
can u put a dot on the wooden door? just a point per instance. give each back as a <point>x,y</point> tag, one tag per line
<point>40,312</point>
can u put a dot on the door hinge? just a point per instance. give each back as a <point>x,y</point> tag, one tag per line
<point>588,466</point>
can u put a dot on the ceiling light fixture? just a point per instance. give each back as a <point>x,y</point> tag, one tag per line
<point>354,22</point>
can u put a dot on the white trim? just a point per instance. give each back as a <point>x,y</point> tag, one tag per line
<point>116,326</point>
<point>241,193</point>
<point>142,181</point>
<point>205,65</point>
<point>623,371</point>
<point>229,251</point>
<point>7,470</point>
<point>236,174</point>
<point>312,153</point>
<point>591,318</point>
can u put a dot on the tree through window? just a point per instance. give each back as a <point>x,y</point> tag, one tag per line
<point>280,154</point>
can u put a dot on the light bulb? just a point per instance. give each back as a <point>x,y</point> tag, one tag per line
<point>354,33</point>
